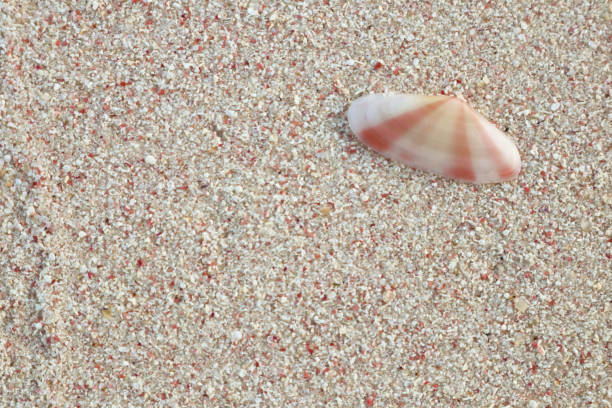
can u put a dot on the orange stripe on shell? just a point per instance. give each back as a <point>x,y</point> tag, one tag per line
<point>382,136</point>
<point>461,169</point>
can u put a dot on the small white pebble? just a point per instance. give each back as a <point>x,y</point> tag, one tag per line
<point>521,304</point>
<point>555,106</point>
<point>150,159</point>
<point>236,335</point>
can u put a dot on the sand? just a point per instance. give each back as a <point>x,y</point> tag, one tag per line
<point>187,221</point>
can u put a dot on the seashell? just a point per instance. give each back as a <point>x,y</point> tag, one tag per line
<point>439,134</point>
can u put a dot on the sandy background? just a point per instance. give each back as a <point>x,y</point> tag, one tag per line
<point>186,220</point>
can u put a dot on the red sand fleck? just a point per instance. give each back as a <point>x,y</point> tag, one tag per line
<point>309,348</point>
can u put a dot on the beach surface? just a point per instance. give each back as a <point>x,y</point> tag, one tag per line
<point>186,219</point>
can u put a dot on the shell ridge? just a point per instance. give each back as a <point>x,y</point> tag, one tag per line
<point>419,139</point>
<point>506,169</point>
<point>461,169</point>
<point>414,150</point>
<point>382,136</point>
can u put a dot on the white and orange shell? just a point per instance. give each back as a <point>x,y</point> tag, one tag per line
<point>440,134</point>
